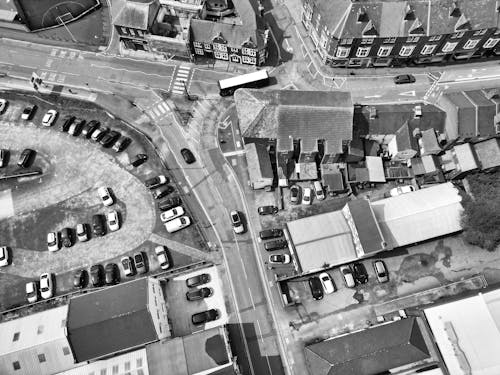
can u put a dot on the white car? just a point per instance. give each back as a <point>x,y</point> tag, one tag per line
<point>161,254</point>
<point>306,196</point>
<point>401,190</point>
<point>53,241</point>
<point>327,283</point>
<point>172,214</point>
<point>3,105</point>
<point>348,276</point>
<point>113,221</point>
<point>49,117</point>
<point>46,285</point>
<point>105,195</point>
<point>177,224</point>
<point>82,232</point>
<point>31,292</point>
<point>279,259</point>
<point>237,223</point>
<point>4,256</point>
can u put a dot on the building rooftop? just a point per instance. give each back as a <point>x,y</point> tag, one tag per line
<point>464,155</point>
<point>368,232</point>
<point>429,143</point>
<point>137,14</point>
<point>259,162</point>
<point>488,153</point>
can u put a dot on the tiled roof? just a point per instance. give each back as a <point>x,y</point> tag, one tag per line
<point>429,142</point>
<point>465,157</point>
<point>259,162</point>
<point>485,112</point>
<point>137,14</point>
<point>488,153</point>
<point>405,139</point>
<point>370,236</point>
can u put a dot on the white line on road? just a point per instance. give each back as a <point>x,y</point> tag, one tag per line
<point>260,332</point>
<point>234,153</point>
<point>408,93</point>
<point>373,96</point>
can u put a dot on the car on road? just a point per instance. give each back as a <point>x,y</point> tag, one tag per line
<point>49,117</point>
<point>138,160</point>
<point>98,225</point>
<point>295,194</point>
<point>307,196</point>
<point>82,232</point>
<point>105,195</point>
<point>169,203</point>
<point>97,275</point>
<point>67,121</point>
<point>113,221</point>
<point>3,157</point>
<point>53,241</point>
<point>404,78</point>
<point>403,189</point>
<point>4,256</point>
<point>237,222</point>
<point>26,157</point>
<point>121,144</point>
<point>267,234</point>
<point>128,266</point>
<point>3,105</point>
<point>197,294</point>
<point>205,317</point>
<point>162,191</point>
<point>188,156</point>
<point>316,287</point>
<point>76,127</point>
<point>279,259</point>
<point>156,181</point>
<point>111,274</point>
<point>267,210</point>
<point>99,133</point>
<point>109,139</point>
<point>162,256</point>
<point>67,237</point>
<point>360,273</point>
<point>89,128</point>
<point>171,214</point>
<point>140,263</point>
<point>327,283</point>
<point>276,245</point>
<point>348,276</point>
<point>198,280</point>
<point>28,112</point>
<point>177,224</point>
<point>80,278</point>
<point>380,271</point>
<point>46,285</point>
<point>31,291</point>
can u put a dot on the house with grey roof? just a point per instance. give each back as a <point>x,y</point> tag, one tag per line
<point>260,171</point>
<point>488,154</point>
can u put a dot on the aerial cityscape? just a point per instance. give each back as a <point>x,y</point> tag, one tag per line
<point>250,187</point>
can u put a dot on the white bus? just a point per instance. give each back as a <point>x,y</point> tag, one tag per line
<point>255,79</point>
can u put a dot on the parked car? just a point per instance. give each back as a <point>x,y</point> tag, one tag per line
<point>279,259</point>
<point>380,271</point>
<point>188,156</point>
<point>111,274</point>
<point>161,254</point>
<point>25,158</point>
<point>360,273</point>
<point>267,234</point>
<point>32,291</point>
<point>97,274</point>
<point>109,139</point>
<point>80,279</point>
<point>105,195</point>
<point>67,237</point>
<point>89,128</point>
<point>237,222</point>
<point>267,210</point>
<point>316,288</point>
<point>169,203</point>
<point>197,294</point>
<point>4,153</point>
<point>276,245</point>
<point>318,190</point>
<point>307,196</point>
<point>76,127</point>
<point>177,224</point>
<point>162,191</point>
<point>128,266</point>
<point>98,226</point>
<point>138,160</point>
<point>49,117</point>
<point>403,189</point>
<point>53,241</point>
<point>82,232</point>
<point>99,133</point>
<point>3,105</point>
<point>4,256</point>
<point>46,285</point>
<point>404,78</point>
<point>295,194</point>
<point>140,263</point>
<point>171,214</point>
<point>121,144</point>
<point>348,276</point>
<point>327,283</point>
<point>154,182</point>
<point>198,280</point>
<point>205,317</point>
<point>28,112</point>
<point>113,221</point>
<point>67,121</point>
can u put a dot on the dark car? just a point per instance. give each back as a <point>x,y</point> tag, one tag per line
<point>198,280</point>
<point>99,133</point>
<point>316,287</point>
<point>267,210</point>
<point>67,237</point>
<point>97,274</point>
<point>205,316</point>
<point>267,234</point>
<point>121,144</point>
<point>76,127</point>
<point>138,160</point>
<point>162,191</point>
<point>80,279</point>
<point>169,203</point>
<point>28,112</point>
<point>98,225</point>
<point>295,194</point>
<point>188,156</point>
<point>111,274</point>
<point>4,153</point>
<point>404,78</point>
<point>140,263</point>
<point>25,157</point>
<point>197,294</point>
<point>275,245</point>
<point>67,121</point>
<point>89,128</point>
<point>360,273</point>
<point>154,182</point>
<point>110,138</point>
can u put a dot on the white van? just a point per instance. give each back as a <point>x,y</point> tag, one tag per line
<point>318,190</point>
<point>177,224</point>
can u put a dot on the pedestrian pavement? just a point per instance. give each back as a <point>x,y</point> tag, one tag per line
<point>182,248</point>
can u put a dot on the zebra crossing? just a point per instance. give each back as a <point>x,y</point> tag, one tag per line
<point>180,82</point>
<point>57,53</point>
<point>158,110</point>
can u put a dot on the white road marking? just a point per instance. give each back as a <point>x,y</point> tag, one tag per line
<point>372,96</point>
<point>260,332</point>
<point>49,62</point>
<point>234,153</point>
<point>408,93</point>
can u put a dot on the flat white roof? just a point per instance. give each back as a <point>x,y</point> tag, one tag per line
<point>467,333</point>
<point>244,78</point>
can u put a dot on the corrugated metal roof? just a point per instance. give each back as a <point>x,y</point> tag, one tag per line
<point>375,169</point>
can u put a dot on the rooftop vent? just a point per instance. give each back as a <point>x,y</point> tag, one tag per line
<point>409,15</point>
<point>362,16</point>
<point>373,113</point>
<point>416,28</point>
<point>455,10</point>
<point>462,24</point>
<point>370,29</point>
